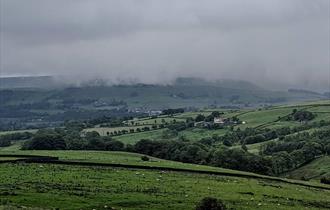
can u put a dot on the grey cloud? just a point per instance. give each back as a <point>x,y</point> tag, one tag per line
<point>271,42</point>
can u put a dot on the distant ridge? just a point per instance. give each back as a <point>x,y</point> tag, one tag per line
<point>28,82</point>
<point>304,91</point>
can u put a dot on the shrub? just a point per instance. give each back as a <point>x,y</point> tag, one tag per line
<point>254,139</point>
<point>146,128</point>
<point>325,180</point>
<point>154,126</point>
<point>114,145</point>
<point>145,158</point>
<point>46,142</point>
<point>302,115</point>
<point>5,143</point>
<point>209,203</point>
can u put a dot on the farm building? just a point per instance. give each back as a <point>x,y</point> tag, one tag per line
<point>219,120</point>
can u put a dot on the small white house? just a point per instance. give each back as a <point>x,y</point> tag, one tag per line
<point>218,120</point>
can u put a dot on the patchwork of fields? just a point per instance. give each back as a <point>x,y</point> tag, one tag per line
<point>254,118</point>
<point>54,186</point>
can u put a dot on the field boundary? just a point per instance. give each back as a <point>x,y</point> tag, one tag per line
<point>55,160</point>
<point>27,158</point>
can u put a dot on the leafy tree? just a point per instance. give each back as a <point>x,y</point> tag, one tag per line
<point>199,118</point>
<point>325,180</point>
<point>4,142</point>
<point>154,127</point>
<point>76,143</point>
<point>327,149</point>
<point>302,115</point>
<point>238,159</point>
<point>92,134</point>
<point>168,134</point>
<point>145,158</point>
<point>172,111</point>
<point>16,136</point>
<point>254,139</point>
<point>206,141</point>
<point>244,147</point>
<point>209,203</point>
<point>46,142</point>
<point>227,143</point>
<point>192,154</point>
<point>114,145</point>
<point>96,144</point>
<point>282,162</point>
<point>144,146</point>
<point>179,126</point>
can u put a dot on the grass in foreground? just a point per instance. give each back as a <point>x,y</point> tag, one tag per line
<point>134,159</point>
<point>132,138</point>
<point>73,187</point>
<point>118,158</point>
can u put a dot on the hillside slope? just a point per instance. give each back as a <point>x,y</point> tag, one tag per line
<point>45,186</point>
<point>312,171</point>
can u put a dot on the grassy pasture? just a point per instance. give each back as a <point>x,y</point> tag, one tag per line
<point>269,117</point>
<point>116,157</point>
<point>134,159</point>
<point>325,109</point>
<point>255,148</point>
<point>260,117</point>
<point>76,187</point>
<point>195,134</point>
<point>132,138</point>
<point>321,116</point>
<point>8,158</point>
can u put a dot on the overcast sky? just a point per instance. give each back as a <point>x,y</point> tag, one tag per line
<point>271,42</point>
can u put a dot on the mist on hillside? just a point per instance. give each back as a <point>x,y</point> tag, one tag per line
<point>276,44</point>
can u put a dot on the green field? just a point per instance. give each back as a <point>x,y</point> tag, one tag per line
<point>193,134</point>
<point>257,118</point>
<point>255,148</point>
<point>116,157</point>
<point>8,158</point>
<point>132,138</point>
<point>75,187</point>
